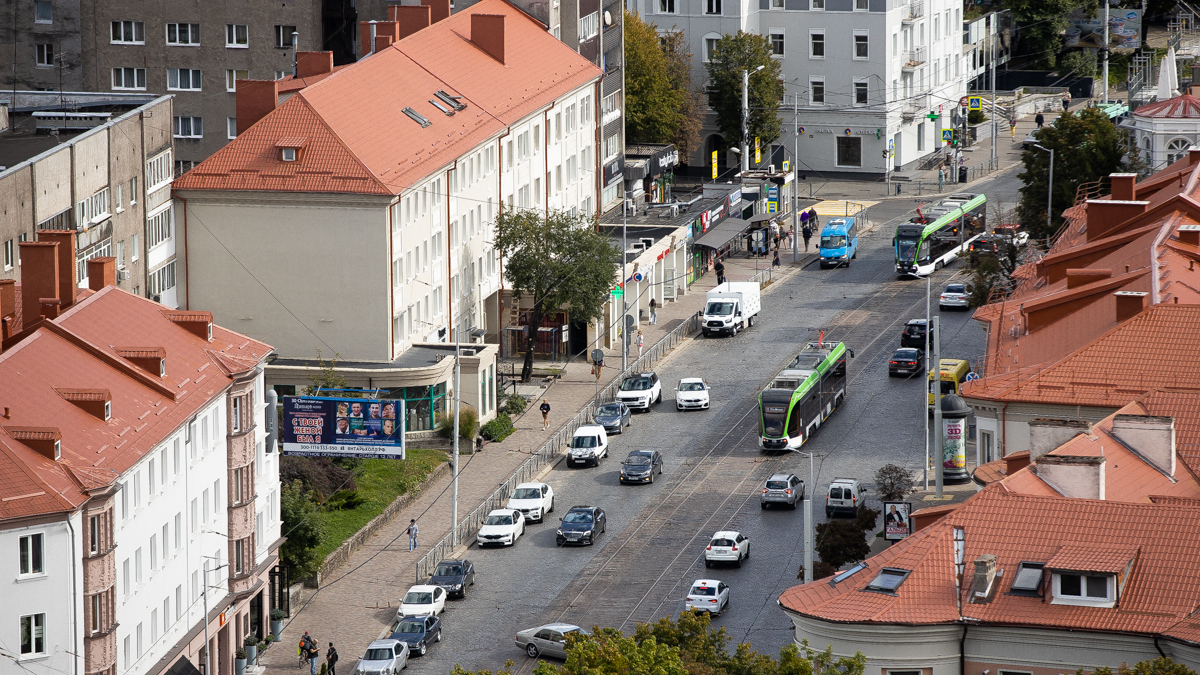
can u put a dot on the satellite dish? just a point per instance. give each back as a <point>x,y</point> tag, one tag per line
<point>607,18</point>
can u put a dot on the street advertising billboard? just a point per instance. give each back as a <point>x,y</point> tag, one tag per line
<point>896,520</point>
<point>1124,28</point>
<point>320,426</point>
<point>954,443</point>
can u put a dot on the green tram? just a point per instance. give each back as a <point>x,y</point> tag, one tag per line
<point>931,240</point>
<point>803,395</point>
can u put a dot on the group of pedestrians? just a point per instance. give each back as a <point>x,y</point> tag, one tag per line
<point>307,651</point>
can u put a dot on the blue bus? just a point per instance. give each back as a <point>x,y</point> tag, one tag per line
<point>839,242</point>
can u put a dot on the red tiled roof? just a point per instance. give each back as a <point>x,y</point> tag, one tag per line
<point>1184,106</point>
<point>1084,558</point>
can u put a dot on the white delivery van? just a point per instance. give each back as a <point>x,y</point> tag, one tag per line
<point>731,307</point>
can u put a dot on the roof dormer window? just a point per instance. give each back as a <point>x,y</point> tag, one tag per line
<point>287,154</point>
<point>291,149</point>
<point>1084,589</point>
<point>107,410</point>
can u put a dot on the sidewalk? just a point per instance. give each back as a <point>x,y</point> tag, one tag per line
<point>359,599</point>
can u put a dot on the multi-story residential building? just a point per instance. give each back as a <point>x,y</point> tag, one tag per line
<point>862,76</point>
<point>140,486</point>
<point>987,45</point>
<point>110,185</point>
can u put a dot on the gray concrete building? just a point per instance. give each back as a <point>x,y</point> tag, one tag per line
<point>41,45</point>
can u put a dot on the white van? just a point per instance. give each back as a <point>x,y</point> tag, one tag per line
<point>589,445</point>
<point>844,496</point>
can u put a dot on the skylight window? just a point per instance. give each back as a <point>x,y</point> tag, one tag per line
<point>848,573</point>
<point>1029,578</point>
<point>888,580</point>
<point>451,101</point>
<point>438,104</point>
<point>416,117</point>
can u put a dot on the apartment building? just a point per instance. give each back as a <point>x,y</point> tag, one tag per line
<point>862,76</point>
<point>110,185</point>
<point>140,487</point>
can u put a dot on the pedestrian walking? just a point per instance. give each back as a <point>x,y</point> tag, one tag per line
<point>1012,128</point>
<point>1066,102</point>
<point>719,268</point>
<point>804,218</point>
<point>313,653</point>
<point>479,444</point>
<point>775,261</point>
<point>653,312</point>
<point>941,179</point>
<point>813,221</point>
<point>412,534</point>
<point>640,342</point>
<point>806,232</point>
<point>545,408</point>
<point>1039,120</point>
<point>331,659</point>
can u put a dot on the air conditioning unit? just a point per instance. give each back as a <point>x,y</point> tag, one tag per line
<point>770,168</point>
<point>123,275</point>
<point>646,242</point>
<point>468,352</point>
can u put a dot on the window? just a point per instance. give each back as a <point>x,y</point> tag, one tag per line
<point>188,127</point>
<point>921,137</point>
<point>861,45</point>
<point>158,229</point>
<point>280,74</point>
<point>612,147</point>
<point>94,534</point>
<point>231,130</point>
<point>179,601</point>
<point>162,279</point>
<point>128,33</point>
<point>849,151</point>
<point>153,552</point>
<point>664,6</point>
<point>10,248</point>
<point>43,11</point>
<point>776,4</point>
<point>817,44</point>
<point>816,91</point>
<point>283,36</point>
<point>1029,578</point>
<point>818,5</point>
<point>236,414</point>
<point>1090,588</point>
<point>860,93</point>
<point>710,48</point>
<point>137,566</point>
<point>32,554</point>
<point>713,7</point>
<point>777,41</point>
<point>180,34</point>
<point>237,36</point>
<point>33,628</point>
<point>44,54</point>
<point>183,79</point>
<point>231,78</point>
<point>861,5</point>
<point>888,580</point>
<point>589,26</point>
<point>134,247</point>
<point>133,193</point>
<point>128,78</point>
<point>92,209</point>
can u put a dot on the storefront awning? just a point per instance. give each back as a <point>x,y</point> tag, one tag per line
<point>723,233</point>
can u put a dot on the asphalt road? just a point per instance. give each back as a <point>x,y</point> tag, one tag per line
<point>653,548</point>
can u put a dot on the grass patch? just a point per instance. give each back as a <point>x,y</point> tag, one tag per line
<point>379,481</point>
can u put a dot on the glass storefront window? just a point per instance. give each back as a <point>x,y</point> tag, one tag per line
<point>422,405</point>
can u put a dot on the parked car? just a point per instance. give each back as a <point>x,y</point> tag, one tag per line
<point>454,575</point>
<point>844,496</point>
<point>957,296</point>
<point>501,526</point>
<point>383,657</point>
<point>692,394</point>
<point>639,392</point>
<point>906,361</point>
<point>640,466</point>
<point>782,488</point>
<point>707,595</point>
<point>581,525</point>
<point>421,600</point>
<point>914,334</point>
<point>614,417</point>
<point>534,500</point>
<point>983,246</point>
<point>727,546</point>
<point>548,640</point>
<point>418,632</point>
<point>589,445</point>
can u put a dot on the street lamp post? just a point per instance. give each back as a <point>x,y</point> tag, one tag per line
<point>1049,193</point>
<point>808,522</point>
<point>746,117</point>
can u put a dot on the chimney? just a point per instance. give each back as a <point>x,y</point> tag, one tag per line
<point>371,31</point>
<point>487,32</point>
<point>50,308</point>
<point>438,9</point>
<point>309,64</point>
<point>1082,276</point>
<point>46,441</point>
<point>409,18</point>
<point>1016,461</point>
<point>255,99</point>
<point>1189,234</point>
<point>1105,216</point>
<point>1151,437</point>
<point>366,37</point>
<point>1123,186</point>
<point>984,587</point>
<point>382,42</point>
<point>1129,304</point>
<point>1073,476</point>
<point>39,278</point>
<point>101,272</point>
<point>68,285</point>
<point>1046,435</point>
<point>1193,156</point>
<point>8,298</point>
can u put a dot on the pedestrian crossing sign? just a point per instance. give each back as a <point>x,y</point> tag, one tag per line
<point>975,103</point>
<point>947,135</point>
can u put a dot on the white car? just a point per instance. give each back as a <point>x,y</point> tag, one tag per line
<point>955,295</point>
<point>502,526</point>
<point>383,657</point>
<point>727,546</point>
<point>534,500</point>
<point>639,392</point>
<point>692,394</point>
<point>707,595</point>
<point>589,445</point>
<point>422,600</point>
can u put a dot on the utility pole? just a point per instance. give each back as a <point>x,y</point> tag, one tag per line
<point>995,34</point>
<point>624,257</point>
<point>937,407</point>
<point>745,122</point>
<point>457,405</point>
<point>808,522</point>
<point>925,395</point>
<point>1104,51</point>
<point>796,184</point>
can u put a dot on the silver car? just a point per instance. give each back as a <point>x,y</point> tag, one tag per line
<point>548,640</point>
<point>383,657</point>
<point>782,488</point>
<point>955,295</point>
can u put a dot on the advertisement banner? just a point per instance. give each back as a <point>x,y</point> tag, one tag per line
<point>318,426</point>
<point>1124,29</point>
<point>895,520</point>
<point>954,444</point>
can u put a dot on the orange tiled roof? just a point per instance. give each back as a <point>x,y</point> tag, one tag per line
<point>360,141</point>
<point>1085,558</point>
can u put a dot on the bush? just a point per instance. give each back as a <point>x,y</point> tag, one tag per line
<point>344,499</point>
<point>250,640</point>
<point>498,429</point>
<point>975,117</point>
<point>468,422</point>
<point>319,475</point>
<point>304,530</point>
<point>278,615</point>
<point>241,654</point>
<point>514,404</point>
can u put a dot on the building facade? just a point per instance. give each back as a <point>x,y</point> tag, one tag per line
<point>1164,130</point>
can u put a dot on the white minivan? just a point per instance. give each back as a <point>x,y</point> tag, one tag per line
<point>844,496</point>
<point>589,445</point>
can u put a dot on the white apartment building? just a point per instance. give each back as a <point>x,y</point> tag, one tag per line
<point>861,76</point>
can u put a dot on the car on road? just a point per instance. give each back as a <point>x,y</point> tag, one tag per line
<point>957,296</point>
<point>548,640</point>
<point>707,595</point>
<point>418,632</point>
<point>454,575</point>
<point>421,600</point>
<point>727,546</point>
<point>641,391</point>
<point>581,525</point>
<point>782,488</point>
<point>614,417</point>
<point>383,657</point>
<point>640,466</point>
<point>844,496</point>
<point>906,361</point>
<point>589,445</point>
<point>692,394</point>
<point>913,334</point>
<point>534,500</point>
<point>502,527</point>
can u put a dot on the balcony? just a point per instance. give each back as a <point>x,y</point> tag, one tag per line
<point>915,58</point>
<point>914,106</point>
<point>915,9</point>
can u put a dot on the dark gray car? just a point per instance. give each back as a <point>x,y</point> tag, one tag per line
<point>581,525</point>
<point>640,466</point>
<point>454,576</point>
<point>418,632</point>
<point>614,417</point>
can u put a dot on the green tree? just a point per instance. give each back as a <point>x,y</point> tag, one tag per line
<point>654,107</point>
<point>1159,666</point>
<point>843,541</point>
<point>608,651</point>
<point>732,55</point>
<point>679,68</point>
<point>326,377</point>
<point>1041,25</point>
<point>304,531</point>
<point>557,261</point>
<point>893,482</point>
<point>1086,148</point>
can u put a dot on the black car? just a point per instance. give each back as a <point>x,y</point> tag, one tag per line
<point>906,361</point>
<point>640,465</point>
<point>454,576</point>
<point>418,632</point>
<point>981,247</point>
<point>614,417</point>
<point>581,525</point>
<point>914,334</point>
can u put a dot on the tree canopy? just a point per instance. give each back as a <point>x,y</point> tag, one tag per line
<point>303,528</point>
<point>732,55</point>
<point>660,105</point>
<point>558,262</point>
